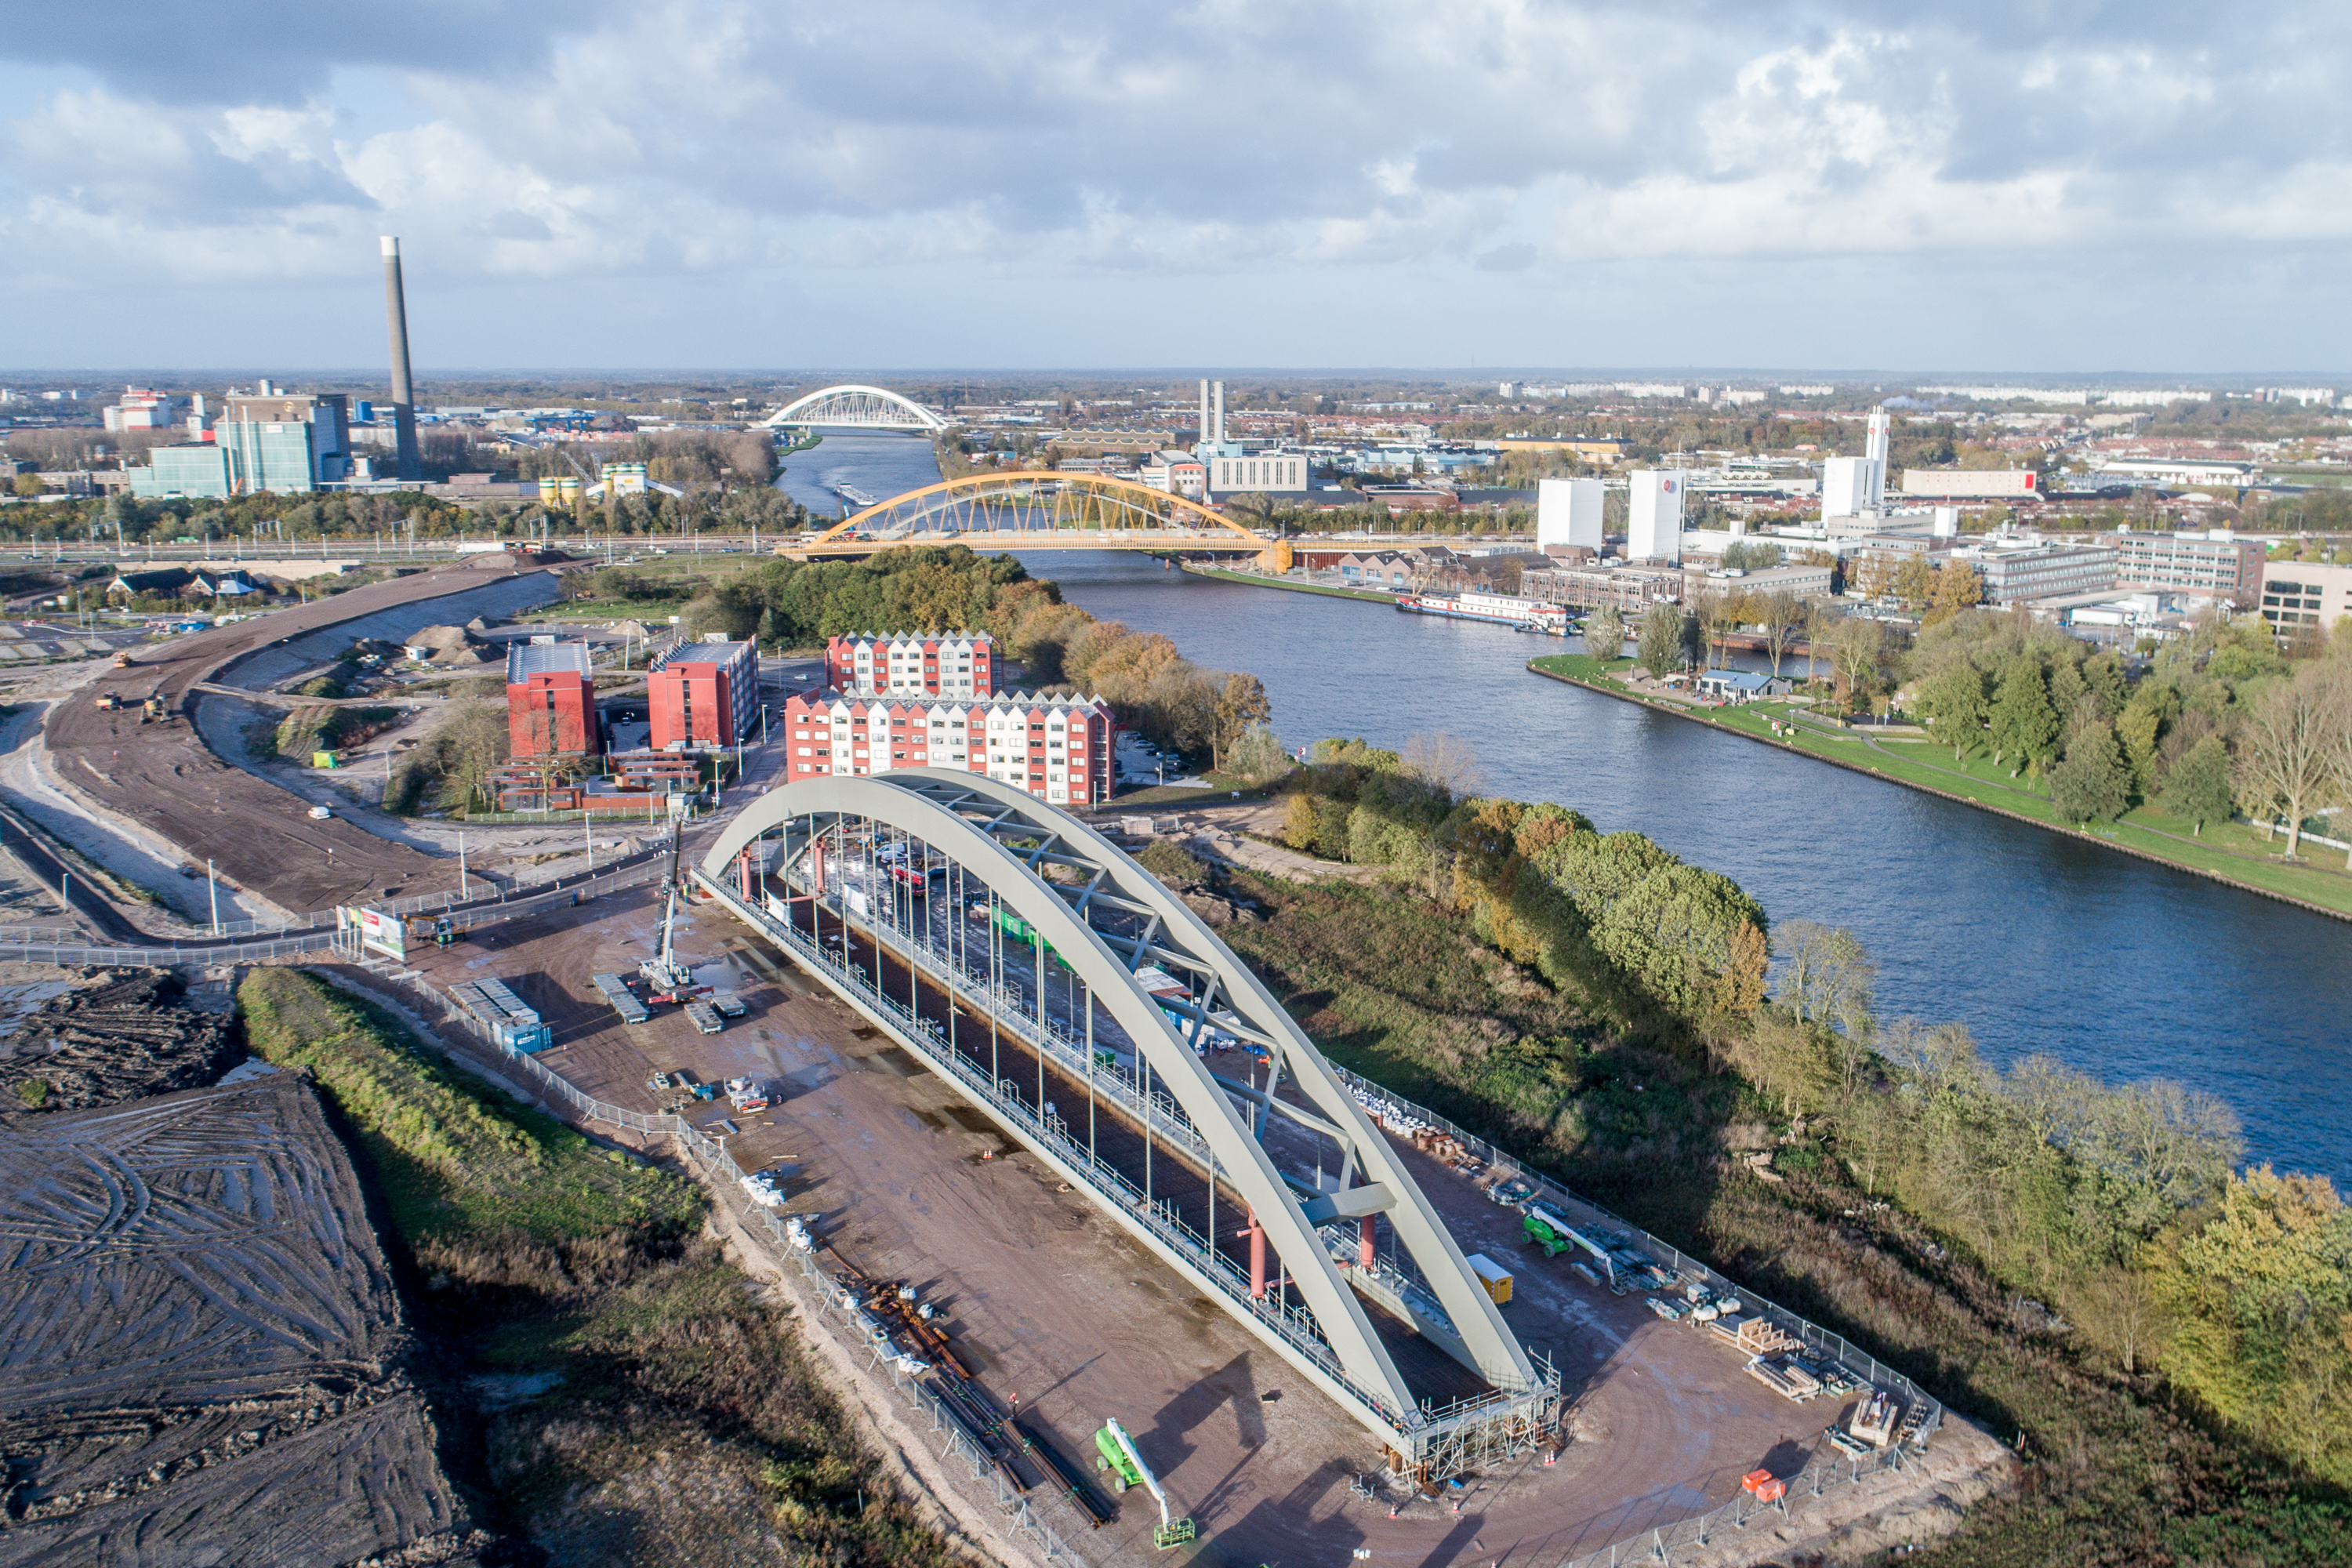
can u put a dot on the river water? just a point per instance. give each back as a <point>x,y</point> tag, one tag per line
<point>2037,943</point>
<point>881,466</point>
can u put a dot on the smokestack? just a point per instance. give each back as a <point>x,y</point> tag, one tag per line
<point>1217,409</point>
<point>404,396</point>
<point>1204,412</point>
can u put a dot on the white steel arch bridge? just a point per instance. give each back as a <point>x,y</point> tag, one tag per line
<point>857,407</point>
<point>1020,955</point>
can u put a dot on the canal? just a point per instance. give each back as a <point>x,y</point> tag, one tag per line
<point>2037,943</point>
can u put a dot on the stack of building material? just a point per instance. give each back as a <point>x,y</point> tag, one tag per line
<point>706,1017</point>
<point>1760,1336</point>
<point>1785,1378</point>
<point>728,1005</point>
<point>1874,1418</point>
<point>625,1002</point>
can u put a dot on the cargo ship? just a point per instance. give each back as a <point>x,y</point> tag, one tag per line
<point>1502,609</point>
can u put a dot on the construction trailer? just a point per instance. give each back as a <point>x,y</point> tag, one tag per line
<point>515,1027</point>
<point>615,990</point>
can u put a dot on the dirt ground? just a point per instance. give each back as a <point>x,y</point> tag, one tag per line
<point>203,1343</point>
<point>1046,1299</point>
<point>163,777</point>
<point>115,1035</point>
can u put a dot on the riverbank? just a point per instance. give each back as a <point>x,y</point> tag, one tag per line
<point>1922,765</point>
<point>1370,595</point>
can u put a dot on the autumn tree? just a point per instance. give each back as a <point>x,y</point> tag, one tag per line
<point>1660,644</point>
<point>1241,703</point>
<point>2291,750</point>
<point>1604,633</point>
<point>1783,614</point>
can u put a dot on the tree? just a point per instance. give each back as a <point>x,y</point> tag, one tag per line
<point>2024,725</point>
<point>1826,976</point>
<point>1661,641</point>
<point>1958,585</point>
<point>1298,822</point>
<point>1444,762</point>
<point>2199,785</point>
<point>1952,705</point>
<point>1604,633</point>
<point>1241,703</point>
<point>1856,647</point>
<point>1259,756</point>
<point>1915,583</point>
<point>2289,756</point>
<point>2094,782</point>
<point>1783,617</point>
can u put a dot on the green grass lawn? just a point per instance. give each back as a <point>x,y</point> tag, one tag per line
<point>2233,851</point>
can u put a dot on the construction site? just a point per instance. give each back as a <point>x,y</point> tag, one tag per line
<point>945,1180</point>
<point>1030,1144</point>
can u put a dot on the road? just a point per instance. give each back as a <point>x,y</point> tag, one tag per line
<point>163,777</point>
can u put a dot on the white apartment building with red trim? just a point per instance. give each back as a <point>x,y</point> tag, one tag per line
<point>942,664</point>
<point>1059,749</point>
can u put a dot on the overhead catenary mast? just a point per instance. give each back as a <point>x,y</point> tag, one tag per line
<point>404,395</point>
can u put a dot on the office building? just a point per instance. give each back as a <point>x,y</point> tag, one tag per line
<point>703,694</point>
<point>2303,594</point>
<point>940,664</point>
<point>1654,515</point>
<point>1176,474</point>
<point>1058,749</point>
<point>2044,571</point>
<point>1568,511</point>
<point>2207,565</point>
<point>550,700</point>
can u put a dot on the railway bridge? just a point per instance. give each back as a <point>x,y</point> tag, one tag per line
<point>1019,954</point>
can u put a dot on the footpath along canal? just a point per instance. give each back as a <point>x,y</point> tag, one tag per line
<point>2037,941</point>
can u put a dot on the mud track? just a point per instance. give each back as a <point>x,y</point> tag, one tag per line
<point>163,777</point>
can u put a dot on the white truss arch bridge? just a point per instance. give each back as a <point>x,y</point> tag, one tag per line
<point>1023,957</point>
<point>855,407</point>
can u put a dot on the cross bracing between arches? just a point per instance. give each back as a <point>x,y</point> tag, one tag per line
<point>1028,960</point>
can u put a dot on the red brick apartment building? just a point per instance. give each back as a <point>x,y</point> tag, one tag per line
<point>1059,749</point>
<point>703,694</point>
<point>550,700</point>
<point>940,664</point>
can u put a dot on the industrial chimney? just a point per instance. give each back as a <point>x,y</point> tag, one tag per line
<point>403,397</point>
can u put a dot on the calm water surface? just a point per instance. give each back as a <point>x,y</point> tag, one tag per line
<point>2037,942</point>
<point>881,466</point>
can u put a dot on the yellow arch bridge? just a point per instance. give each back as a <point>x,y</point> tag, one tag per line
<point>1041,509</point>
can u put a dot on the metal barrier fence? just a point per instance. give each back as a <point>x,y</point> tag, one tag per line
<point>1821,1472</point>
<point>466,916</point>
<point>1824,1474</point>
<point>719,1169</point>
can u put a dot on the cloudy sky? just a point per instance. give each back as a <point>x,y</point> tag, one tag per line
<point>2031,184</point>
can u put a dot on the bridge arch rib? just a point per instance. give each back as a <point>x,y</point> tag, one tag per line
<point>1098,506</point>
<point>1104,917</point>
<point>856,406</point>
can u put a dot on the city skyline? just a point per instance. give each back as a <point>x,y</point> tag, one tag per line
<point>1506,184</point>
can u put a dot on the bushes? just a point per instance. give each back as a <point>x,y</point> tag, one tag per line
<point>452,1161</point>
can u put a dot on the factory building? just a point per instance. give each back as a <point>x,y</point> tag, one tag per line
<point>268,441</point>
<point>550,700</point>
<point>940,664</point>
<point>1567,512</point>
<point>1056,748</point>
<point>702,694</point>
<point>1654,515</point>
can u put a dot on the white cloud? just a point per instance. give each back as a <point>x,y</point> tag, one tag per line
<point>1501,145</point>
